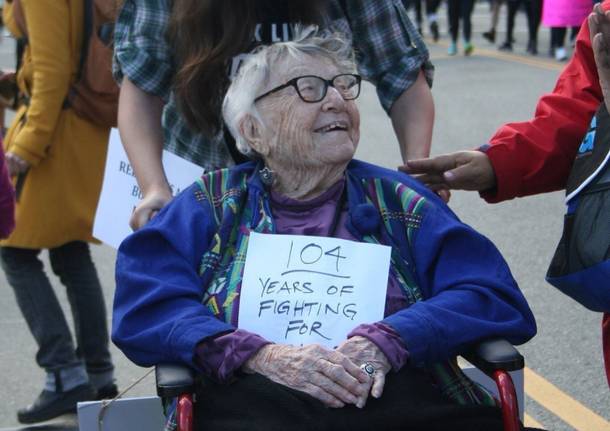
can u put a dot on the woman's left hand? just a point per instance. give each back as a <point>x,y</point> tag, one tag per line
<point>361,350</point>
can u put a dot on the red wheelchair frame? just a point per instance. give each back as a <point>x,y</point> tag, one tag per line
<point>494,357</point>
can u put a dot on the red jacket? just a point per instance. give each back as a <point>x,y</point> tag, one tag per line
<point>536,156</point>
<point>7,200</point>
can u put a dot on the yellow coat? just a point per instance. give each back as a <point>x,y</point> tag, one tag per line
<point>67,153</point>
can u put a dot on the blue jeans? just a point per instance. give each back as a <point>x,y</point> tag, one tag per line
<point>72,263</point>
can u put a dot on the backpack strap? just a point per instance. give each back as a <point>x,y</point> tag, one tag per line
<point>87,30</point>
<point>84,50</point>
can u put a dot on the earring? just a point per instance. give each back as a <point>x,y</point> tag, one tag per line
<point>267,176</point>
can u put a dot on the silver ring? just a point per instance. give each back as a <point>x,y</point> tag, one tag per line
<point>368,368</point>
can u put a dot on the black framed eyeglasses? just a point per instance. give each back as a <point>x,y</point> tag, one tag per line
<point>312,89</point>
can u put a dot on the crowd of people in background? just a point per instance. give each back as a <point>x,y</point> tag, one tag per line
<point>559,16</point>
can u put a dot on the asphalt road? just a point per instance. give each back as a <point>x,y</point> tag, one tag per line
<point>565,382</point>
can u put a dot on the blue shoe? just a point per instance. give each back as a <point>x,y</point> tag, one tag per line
<point>452,50</point>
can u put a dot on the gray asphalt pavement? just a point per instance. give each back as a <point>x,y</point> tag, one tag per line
<point>473,96</point>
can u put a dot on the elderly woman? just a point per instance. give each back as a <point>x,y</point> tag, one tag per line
<point>180,279</point>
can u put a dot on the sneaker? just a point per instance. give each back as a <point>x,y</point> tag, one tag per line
<point>506,46</point>
<point>452,50</point>
<point>434,31</point>
<point>561,54</point>
<point>49,404</point>
<point>490,35</point>
<point>468,48</point>
<point>107,392</point>
<point>532,47</point>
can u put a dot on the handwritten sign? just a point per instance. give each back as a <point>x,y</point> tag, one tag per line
<point>120,192</point>
<point>307,289</point>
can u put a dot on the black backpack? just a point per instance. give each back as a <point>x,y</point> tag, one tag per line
<point>581,265</point>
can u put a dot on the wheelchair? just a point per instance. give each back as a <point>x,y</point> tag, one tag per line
<point>496,358</point>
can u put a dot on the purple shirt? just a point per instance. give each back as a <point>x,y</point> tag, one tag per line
<point>7,199</point>
<point>220,357</point>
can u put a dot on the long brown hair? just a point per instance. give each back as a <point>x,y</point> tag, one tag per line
<point>205,36</point>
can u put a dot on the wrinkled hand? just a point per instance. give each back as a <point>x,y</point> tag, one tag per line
<point>361,350</point>
<point>326,375</point>
<point>463,170</point>
<point>148,207</point>
<point>15,164</point>
<point>599,30</point>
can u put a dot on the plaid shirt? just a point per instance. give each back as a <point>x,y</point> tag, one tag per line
<point>389,51</point>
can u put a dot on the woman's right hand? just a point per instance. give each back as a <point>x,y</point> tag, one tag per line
<point>149,206</point>
<point>326,375</point>
<point>462,170</point>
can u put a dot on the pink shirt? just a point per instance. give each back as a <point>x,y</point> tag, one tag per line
<point>565,13</point>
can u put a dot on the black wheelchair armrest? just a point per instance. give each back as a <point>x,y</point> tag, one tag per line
<point>174,380</point>
<point>495,354</point>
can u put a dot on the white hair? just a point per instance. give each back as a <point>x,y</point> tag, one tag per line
<point>254,73</point>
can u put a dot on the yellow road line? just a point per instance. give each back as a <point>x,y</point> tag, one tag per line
<point>566,408</point>
<point>515,58</point>
<point>531,422</point>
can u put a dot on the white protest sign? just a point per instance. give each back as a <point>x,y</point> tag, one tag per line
<point>307,289</point>
<point>120,192</point>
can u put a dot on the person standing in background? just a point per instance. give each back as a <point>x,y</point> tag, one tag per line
<point>431,15</point>
<point>460,10</point>
<point>207,41</point>
<point>533,24</point>
<point>560,15</point>
<point>494,6</point>
<point>57,160</point>
<point>533,10</point>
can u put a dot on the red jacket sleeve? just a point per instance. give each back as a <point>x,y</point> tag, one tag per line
<point>536,156</point>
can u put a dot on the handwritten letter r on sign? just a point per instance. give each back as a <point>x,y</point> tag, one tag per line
<point>308,289</point>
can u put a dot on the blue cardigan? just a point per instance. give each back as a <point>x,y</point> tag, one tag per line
<point>459,286</point>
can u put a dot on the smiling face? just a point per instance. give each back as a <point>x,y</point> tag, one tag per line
<point>304,134</point>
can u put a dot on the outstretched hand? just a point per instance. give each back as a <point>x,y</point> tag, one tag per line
<point>463,170</point>
<point>599,30</point>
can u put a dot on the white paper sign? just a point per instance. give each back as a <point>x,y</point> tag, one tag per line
<point>120,192</point>
<point>307,289</point>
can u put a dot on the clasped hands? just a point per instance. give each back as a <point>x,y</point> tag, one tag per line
<point>332,376</point>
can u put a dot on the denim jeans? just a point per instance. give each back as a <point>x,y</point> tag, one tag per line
<point>72,263</point>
